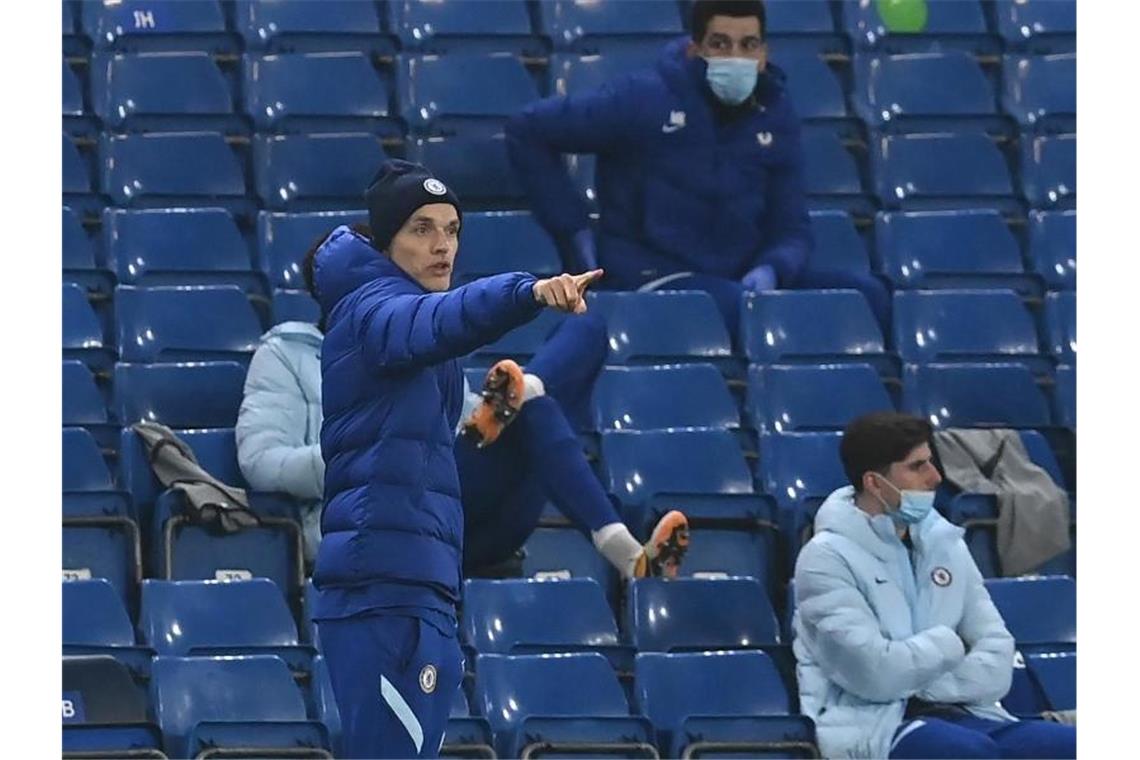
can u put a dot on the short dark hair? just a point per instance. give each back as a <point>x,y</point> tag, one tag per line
<point>308,262</point>
<point>704,10</point>
<point>877,440</point>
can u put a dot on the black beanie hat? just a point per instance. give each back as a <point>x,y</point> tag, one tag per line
<point>397,190</point>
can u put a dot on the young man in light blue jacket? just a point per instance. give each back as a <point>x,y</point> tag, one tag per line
<point>900,652</point>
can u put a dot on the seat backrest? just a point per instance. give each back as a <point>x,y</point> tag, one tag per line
<point>1056,672</point>
<point>698,613</point>
<point>476,167</point>
<point>1053,247</point>
<point>1061,324</point>
<point>188,690</point>
<point>283,239</point>
<point>197,395</point>
<point>184,164</point>
<point>593,26</point>
<point>82,402</point>
<point>498,614</point>
<point>680,325</point>
<point>1039,87</point>
<point>443,25</point>
<point>829,169</point>
<point>869,30</point>
<point>1066,396</point>
<point>77,251</point>
<point>125,86</point>
<point>785,398</point>
<point>648,398</point>
<point>292,169</point>
<point>1041,610</point>
<point>574,74</point>
<point>440,92</point>
<point>938,166</point>
<point>177,616</point>
<point>798,17</point>
<point>798,465</point>
<point>837,242</point>
<point>292,24</point>
<point>81,328</point>
<point>279,88</point>
<point>93,615</point>
<point>563,554</point>
<point>504,241</point>
<point>185,323</point>
<point>76,176</point>
<point>715,553</point>
<point>143,245</point>
<point>670,687</point>
<point>974,395</point>
<point>915,244</point>
<point>815,90</point>
<point>958,324</point>
<point>215,449</point>
<point>138,24</point>
<point>105,689</point>
<point>83,467</point>
<point>72,92</point>
<point>1031,23</point>
<point>638,464</point>
<point>894,86</point>
<point>1049,170</point>
<point>509,688</point>
<point>788,324</point>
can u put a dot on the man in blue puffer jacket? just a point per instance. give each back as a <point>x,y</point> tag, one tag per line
<point>699,178</point>
<point>900,652</point>
<point>389,565</point>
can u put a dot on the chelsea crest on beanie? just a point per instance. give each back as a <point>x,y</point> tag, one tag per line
<point>397,190</point>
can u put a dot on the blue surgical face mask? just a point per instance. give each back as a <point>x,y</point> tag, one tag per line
<point>732,79</point>
<point>914,506</point>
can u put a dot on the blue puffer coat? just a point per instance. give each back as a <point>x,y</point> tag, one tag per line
<point>677,190</point>
<point>392,396</point>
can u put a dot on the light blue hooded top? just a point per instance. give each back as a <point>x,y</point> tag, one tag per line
<point>873,630</point>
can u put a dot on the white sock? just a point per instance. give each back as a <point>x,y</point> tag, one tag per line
<point>532,387</point>
<point>617,544</point>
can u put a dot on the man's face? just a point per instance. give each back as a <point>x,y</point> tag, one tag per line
<point>916,472</point>
<point>732,37</point>
<point>426,245</point>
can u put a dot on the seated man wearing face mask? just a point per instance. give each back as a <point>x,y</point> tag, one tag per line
<point>700,174</point>
<point>900,652</point>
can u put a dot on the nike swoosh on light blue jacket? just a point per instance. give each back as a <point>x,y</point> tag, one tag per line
<point>871,633</point>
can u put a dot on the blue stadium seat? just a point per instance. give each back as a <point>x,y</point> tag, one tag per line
<point>801,25</point>
<point>288,26</point>
<point>966,248</point>
<point>317,92</point>
<point>638,465</point>
<point>783,398</point>
<point>515,694</point>
<point>892,94</point>
<point>837,243</point>
<point>199,395</point>
<point>1053,247</point>
<point>283,240</point>
<point>294,306</point>
<point>493,242</point>
<point>1056,672</point>
<point>175,169</point>
<point>565,553</point>
<point>454,26</point>
<point>103,548</point>
<point>726,702</point>
<point>1040,92</point>
<point>80,263</point>
<point>1038,26</point>
<point>715,554</point>
<point>172,324</point>
<point>294,172</point>
<point>1049,171</point>
<point>325,703</point>
<point>593,27</point>
<point>95,619</point>
<point>798,468</point>
<point>830,172</point>
<point>1040,612</point>
<point>90,497</point>
<point>214,449</point>
<point>649,398</point>
<point>75,44</point>
<point>219,703</point>
<point>462,93</point>
<point>965,326</point>
<point>519,616</point>
<point>105,711</point>
<point>474,166</point>
<point>654,328</point>
<point>76,175</point>
<point>220,618</point>
<point>667,615</point>
<point>82,332</point>
<point>574,74</point>
<point>84,469</point>
<point>813,326</point>
<point>1065,397</point>
<point>1061,325</point>
<point>958,25</point>
<point>133,93</point>
<point>134,25</point>
<point>815,90</point>
<point>83,404</point>
<point>941,171</point>
<point>974,395</point>
<point>178,246</point>
<point>72,94</point>
<point>519,344</point>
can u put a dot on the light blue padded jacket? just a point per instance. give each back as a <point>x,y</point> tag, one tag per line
<point>871,632</point>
